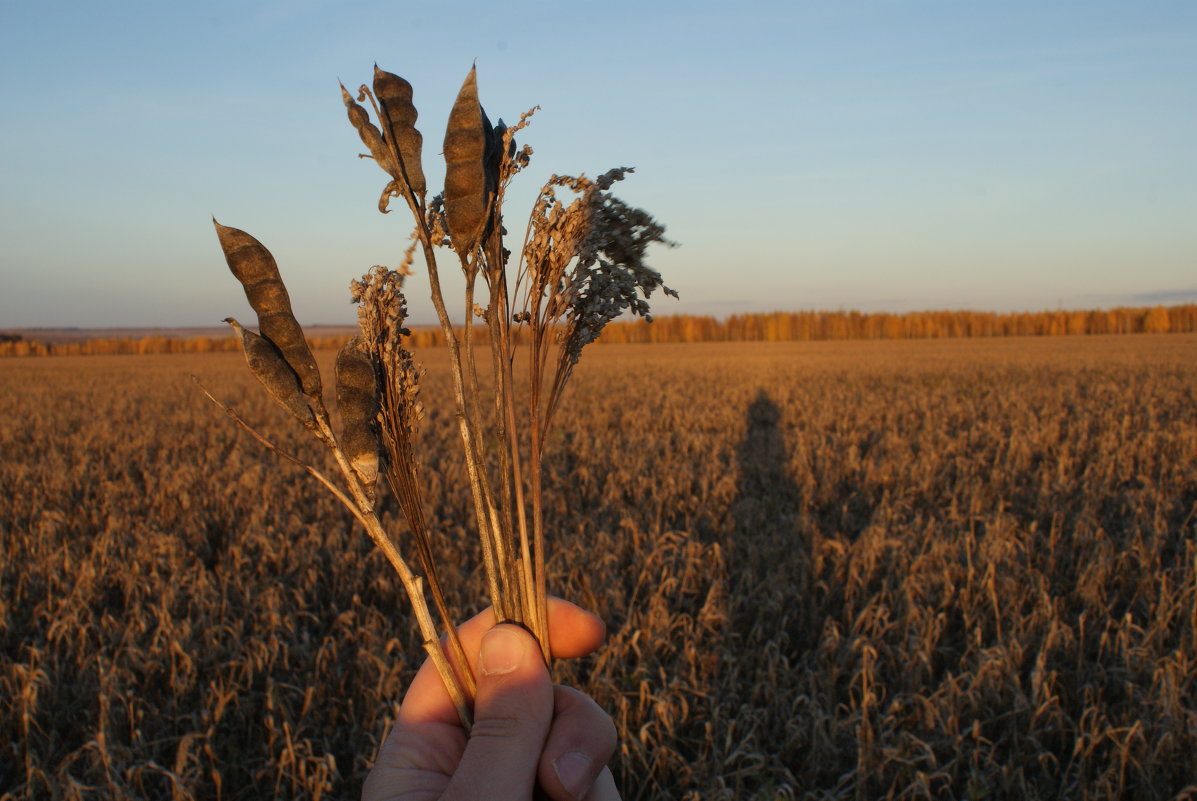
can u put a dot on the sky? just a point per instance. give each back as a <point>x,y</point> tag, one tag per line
<point>882,156</point>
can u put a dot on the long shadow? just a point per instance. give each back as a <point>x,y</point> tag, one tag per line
<point>771,559</point>
<point>767,501</point>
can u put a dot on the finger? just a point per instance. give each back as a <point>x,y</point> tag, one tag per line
<point>512,715</point>
<point>572,630</point>
<point>580,743</point>
<point>604,788</point>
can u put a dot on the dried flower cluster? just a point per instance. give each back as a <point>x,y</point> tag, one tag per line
<point>581,265</point>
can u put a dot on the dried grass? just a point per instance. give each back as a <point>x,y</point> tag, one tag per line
<point>910,570</point>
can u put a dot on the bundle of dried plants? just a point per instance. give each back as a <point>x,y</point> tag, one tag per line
<point>580,265</point>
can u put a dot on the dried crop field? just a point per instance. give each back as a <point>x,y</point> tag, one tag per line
<point>913,569</point>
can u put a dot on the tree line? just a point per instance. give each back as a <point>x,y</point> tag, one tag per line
<point>802,326</point>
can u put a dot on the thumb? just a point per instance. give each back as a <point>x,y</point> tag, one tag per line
<point>512,714</point>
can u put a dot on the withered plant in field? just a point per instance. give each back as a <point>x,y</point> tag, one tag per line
<point>580,265</point>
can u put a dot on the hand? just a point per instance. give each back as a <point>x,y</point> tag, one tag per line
<point>526,731</point>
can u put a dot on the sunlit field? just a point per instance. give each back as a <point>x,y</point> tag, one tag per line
<point>949,569</point>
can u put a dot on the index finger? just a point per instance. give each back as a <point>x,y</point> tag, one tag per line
<point>573,632</point>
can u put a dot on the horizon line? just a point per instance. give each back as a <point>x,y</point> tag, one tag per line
<point>218,325</point>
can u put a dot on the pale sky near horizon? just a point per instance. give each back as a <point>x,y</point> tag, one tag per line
<point>883,156</point>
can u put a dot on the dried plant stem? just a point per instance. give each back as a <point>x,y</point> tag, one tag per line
<point>412,583</point>
<point>407,491</point>
<point>585,269</point>
<point>473,459</point>
<point>538,605</point>
<point>536,454</point>
<point>531,563</point>
<point>513,580</point>
<point>414,586</point>
<point>316,474</point>
<point>468,436</point>
<point>532,607</point>
<point>499,319</point>
<point>495,555</point>
<point>508,457</point>
<point>360,508</point>
<point>473,413</point>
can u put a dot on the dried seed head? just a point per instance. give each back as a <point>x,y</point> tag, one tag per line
<point>399,125</point>
<point>466,179</point>
<point>258,273</point>
<point>266,362</point>
<point>517,159</point>
<point>605,241</point>
<point>357,400</point>
<point>382,311</point>
<point>610,276</point>
<point>438,226</point>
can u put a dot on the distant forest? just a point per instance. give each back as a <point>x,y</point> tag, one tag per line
<point>803,326</point>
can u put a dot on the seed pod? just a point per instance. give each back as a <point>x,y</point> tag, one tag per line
<point>371,137</point>
<point>493,157</point>
<point>357,400</point>
<point>493,164</point>
<point>258,273</point>
<point>465,167</point>
<point>268,365</point>
<point>399,125</point>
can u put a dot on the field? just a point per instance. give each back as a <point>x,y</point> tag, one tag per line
<point>950,569</point>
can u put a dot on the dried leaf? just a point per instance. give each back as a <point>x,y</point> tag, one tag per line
<point>392,189</point>
<point>465,167</point>
<point>267,363</point>
<point>258,273</point>
<point>357,400</point>
<point>399,125</point>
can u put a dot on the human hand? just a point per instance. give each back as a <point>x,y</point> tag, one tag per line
<point>526,731</point>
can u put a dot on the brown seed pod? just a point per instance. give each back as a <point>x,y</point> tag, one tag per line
<point>371,137</point>
<point>399,125</point>
<point>493,158</point>
<point>493,164</point>
<point>258,273</point>
<point>267,363</point>
<point>465,167</point>
<point>357,400</point>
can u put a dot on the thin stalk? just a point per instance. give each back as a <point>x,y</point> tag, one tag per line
<point>316,474</point>
<point>468,436</point>
<point>535,474</point>
<point>512,602</point>
<point>533,601</point>
<point>503,432</point>
<point>412,583</point>
<point>356,506</point>
<point>497,314</point>
<point>432,645</point>
<point>406,489</point>
<point>503,356</point>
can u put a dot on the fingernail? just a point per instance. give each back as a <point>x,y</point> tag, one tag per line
<point>502,652</point>
<point>576,772</point>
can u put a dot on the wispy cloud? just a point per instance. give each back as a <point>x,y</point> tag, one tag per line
<point>1165,297</point>
<point>1158,297</point>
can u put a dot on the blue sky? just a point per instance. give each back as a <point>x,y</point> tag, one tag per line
<point>880,156</point>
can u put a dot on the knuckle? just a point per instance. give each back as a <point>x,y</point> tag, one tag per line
<point>500,726</point>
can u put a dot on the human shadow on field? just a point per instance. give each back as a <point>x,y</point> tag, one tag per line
<point>770,550</point>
